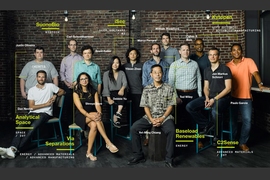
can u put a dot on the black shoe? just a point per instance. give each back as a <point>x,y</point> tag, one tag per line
<point>136,160</point>
<point>169,165</point>
<point>207,129</point>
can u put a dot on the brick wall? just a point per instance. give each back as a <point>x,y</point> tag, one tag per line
<point>91,27</point>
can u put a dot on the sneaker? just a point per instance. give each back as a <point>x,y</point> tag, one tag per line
<point>3,151</point>
<point>10,154</point>
<point>118,115</point>
<point>117,124</point>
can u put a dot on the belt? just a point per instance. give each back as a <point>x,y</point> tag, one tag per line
<point>188,90</point>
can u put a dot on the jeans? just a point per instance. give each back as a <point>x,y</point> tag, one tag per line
<point>142,125</point>
<point>196,106</point>
<point>244,106</point>
<point>20,142</point>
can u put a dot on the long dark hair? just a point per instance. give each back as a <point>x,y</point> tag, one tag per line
<point>78,88</point>
<point>111,77</point>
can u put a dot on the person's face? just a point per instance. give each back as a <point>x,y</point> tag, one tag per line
<point>72,46</point>
<point>198,46</point>
<point>165,40</point>
<point>156,74</point>
<point>132,55</point>
<point>84,80</point>
<point>115,64</point>
<point>236,52</point>
<point>41,78</point>
<point>213,56</point>
<point>155,50</point>
<point>39,54</point>
<point>184,51</point>
<point>87,54</point>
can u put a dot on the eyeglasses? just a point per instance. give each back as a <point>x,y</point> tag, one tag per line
<point>84,79</point>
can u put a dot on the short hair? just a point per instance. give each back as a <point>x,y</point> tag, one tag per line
<point>42,71</point>
<point>165,34</point>
<point>85,47</point>
<point>215,49</point>
<point>156,65</point>
<point>72,40</point>
<point>137,51</point>
<point>237,44</point>
<point>199,39</point>
<point>155,44</point>
<point>39,48</point>
<point>185,44</point>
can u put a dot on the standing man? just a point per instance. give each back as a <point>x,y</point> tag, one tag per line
<point>157,100</point>
<point>41,98</point>
<point>168,53</point>
<point>146,71</point>
<point>88,66</point>
<point>242,69</point>
<point>185,77</point>
<point>28,73</point>
<point>66,74</point>
<point>133,70</point>
<point>200,56</point>
<point>217,88</point>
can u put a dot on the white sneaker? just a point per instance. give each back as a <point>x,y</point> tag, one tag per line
<point>10,154</point>
<point>3,151</point>
<point>3,157</point>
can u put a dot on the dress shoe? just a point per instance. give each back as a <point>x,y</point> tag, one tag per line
<point>215,139</point>
<point>145,142</point>
<point>207,128</point>
<point>136,160</point>
<point>243,147</point>
<point>169,165</point>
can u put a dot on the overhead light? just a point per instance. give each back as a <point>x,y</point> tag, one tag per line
<point>208,12</point>
<point>133,12</point>
<point>66,15</point>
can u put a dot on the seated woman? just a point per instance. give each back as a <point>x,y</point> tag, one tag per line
<point>88,113</point>
<point>114,88</point>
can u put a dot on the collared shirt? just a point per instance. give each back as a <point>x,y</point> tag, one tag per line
<point>158,99</point>
<point>169,55</point>
<point>217,79</point>
<point>146,77</point>
<point>92,69</point>
<point>185,75</point>
<point>67,66</point>
<point>202,61</point>
<point>242,77</point>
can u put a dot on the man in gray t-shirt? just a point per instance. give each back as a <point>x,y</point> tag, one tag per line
<point>28,73</point>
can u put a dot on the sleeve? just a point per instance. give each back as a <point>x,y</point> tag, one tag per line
<point>55,88</point>
<point>30,95</point>
<point>124,79</point>
<point>166,72</point>
<point>252,66</point>
<point>75,71</point>
<point>144,99</point>
<point>172,97</point>
<point>172,74</point>
<point>177,55</point>
<point>53,71</point>
<point>62,70</point>
<point>24,72</point>
<point>99,81</point>
<point>106,90</point>
<point>199,80</point>
<point>144,75</point>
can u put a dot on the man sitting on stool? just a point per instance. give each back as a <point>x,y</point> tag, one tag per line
<point>158,100</point>
<point>217,88</point>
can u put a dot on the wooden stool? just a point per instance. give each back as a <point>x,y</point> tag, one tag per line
<point>157,144</point>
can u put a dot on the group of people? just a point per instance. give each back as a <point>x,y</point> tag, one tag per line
<point>170,85</point>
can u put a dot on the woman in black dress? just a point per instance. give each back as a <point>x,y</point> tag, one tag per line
<point>88,113</point>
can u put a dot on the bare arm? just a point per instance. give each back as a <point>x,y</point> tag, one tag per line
<point>55,80</point>
<point>22,86</point>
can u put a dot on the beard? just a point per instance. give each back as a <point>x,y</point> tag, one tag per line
<point>41,82</point>
<point>156,54</point>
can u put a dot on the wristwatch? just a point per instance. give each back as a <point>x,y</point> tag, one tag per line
<point>261,83</point>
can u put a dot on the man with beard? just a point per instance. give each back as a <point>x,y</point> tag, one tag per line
<point>146,70</point>
<point>41,98</point>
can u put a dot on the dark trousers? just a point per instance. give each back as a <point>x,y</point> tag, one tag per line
<point>68,108</point>
<point>142,125</point>
<point>137,111</point>
<point>20,142</point>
